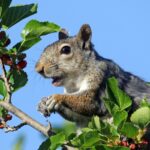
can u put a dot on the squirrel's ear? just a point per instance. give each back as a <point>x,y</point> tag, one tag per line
<point>63,34</point>
<point>84,35</point>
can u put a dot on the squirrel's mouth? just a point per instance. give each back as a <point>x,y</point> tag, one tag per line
<point>57,81</point>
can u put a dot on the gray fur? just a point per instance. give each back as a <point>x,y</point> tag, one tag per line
<point>84,67</point>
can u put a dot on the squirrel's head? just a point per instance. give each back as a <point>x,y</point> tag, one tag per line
<point>65,58</point>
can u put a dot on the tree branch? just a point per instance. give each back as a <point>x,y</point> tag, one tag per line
<point>26,119</point>
<point>7,84</point>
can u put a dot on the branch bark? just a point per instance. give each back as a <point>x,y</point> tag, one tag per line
<point>4,77</point>
<point>46,130</point>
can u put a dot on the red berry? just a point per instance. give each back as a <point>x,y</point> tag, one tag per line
<point>144,142</point>
<point>22,64</point>
<point>132,146</point>
<point>1,126</point>
<point>6,60</point>
<point>2,35</point>
<point>8,117</point>
<point>124,143</point>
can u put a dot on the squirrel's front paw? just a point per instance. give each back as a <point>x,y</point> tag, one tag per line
<point>52,103</point>
<point>42,107</point>
<point>48,105</point>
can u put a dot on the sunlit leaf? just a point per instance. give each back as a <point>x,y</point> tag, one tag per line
<point>33,31</point>
<point>57,140</point>
<point>35,28</point>
<point>119,117</point>
<point>141,116</point>
<point>118,96</point>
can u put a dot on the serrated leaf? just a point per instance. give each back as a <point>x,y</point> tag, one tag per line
<point>117,95</point>
<point>119,117</point>
<point>18,79</point>
<point>141,116</point>
<point>57,140</point>
<point>45,145</point>
<point>3,90</point>
<point>4,4</point>
<point>129,130</point>
<point>15,14</point>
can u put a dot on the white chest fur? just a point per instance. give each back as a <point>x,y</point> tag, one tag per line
<point>77,86</point>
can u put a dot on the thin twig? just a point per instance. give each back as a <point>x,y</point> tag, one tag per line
<point>14,128</point>
<point>7,84</point>
<point>46,130</point>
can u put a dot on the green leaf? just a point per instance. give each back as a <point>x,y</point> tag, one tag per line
<point>117,95</point>
<point>144,103</point>
<point>35,28</point>
<point>26,44</point>
<point>129,130</point>
<point>3,112</point>
<point>141,117</point>
<point>57,140</point>
<point>90,139</point>
<point>45,145</point>
<point>18,79</point>
<point>4,4</point>
<point>3,90</point>
<point>95,123</point>
<point>119,117</point>
<point>32,32</point>
<point>111,106</point>
<point>16,13</point>
<point>86,139</point>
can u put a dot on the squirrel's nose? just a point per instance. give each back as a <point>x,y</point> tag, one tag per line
<point>39,68</point>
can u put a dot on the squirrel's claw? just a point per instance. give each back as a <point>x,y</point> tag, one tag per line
<point>42,107</point>
<point>51,104</point>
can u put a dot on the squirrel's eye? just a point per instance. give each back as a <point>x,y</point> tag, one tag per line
<point>65,50</point>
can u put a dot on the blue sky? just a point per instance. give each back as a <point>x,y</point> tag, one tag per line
<point>121,31</point>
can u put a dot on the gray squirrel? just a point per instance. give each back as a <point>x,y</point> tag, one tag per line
<point>72,62</point>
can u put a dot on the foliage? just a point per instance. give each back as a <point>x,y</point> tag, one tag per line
<point>120,132</point>
<point>123,131</point>
<point>12,60</point>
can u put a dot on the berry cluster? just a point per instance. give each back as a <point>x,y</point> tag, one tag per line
<point>4,120</point>
<point>15,61</point>
<point>135,146</point>
<point>10,61</point>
